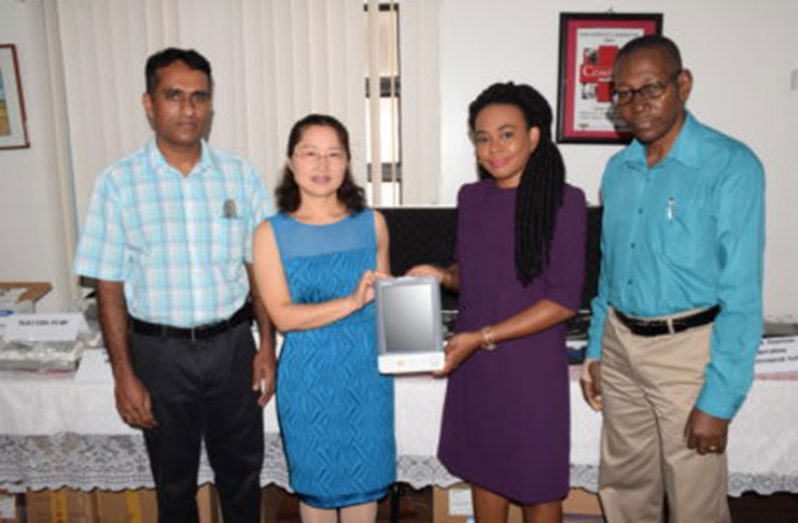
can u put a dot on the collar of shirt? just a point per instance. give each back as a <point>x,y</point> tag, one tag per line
<point>158,161</point>
<point>685,149</point>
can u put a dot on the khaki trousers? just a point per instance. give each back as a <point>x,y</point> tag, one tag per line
<point>649,386</point>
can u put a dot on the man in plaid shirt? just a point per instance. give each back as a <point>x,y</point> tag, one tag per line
<point>169,239</point>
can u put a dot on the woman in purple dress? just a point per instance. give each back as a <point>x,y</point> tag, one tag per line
<point>520,266</point>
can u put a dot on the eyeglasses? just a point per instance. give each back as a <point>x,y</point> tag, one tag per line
<point>649,91</point>
<point>315,157</point>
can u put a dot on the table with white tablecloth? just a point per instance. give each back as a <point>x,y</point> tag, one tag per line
<point>59,431</point>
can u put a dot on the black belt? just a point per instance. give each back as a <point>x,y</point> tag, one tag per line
<point>200,332</point>
<point>642,327</point>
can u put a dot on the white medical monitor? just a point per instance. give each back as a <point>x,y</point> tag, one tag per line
<point>409,326</point>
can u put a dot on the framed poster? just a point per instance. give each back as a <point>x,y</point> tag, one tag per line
<point>13,126</point>
<point>589,43</point>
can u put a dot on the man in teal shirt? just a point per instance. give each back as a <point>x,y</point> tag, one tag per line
<point>678,316</point>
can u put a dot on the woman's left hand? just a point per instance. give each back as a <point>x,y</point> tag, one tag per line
<point>459,349</point>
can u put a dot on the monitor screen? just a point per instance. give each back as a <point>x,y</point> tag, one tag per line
<point>409,315</point>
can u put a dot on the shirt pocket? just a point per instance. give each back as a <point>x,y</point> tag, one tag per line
<point>227,239</point>
<point>688,235</point>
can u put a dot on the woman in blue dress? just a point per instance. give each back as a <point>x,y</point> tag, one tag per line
<point>315,265</point>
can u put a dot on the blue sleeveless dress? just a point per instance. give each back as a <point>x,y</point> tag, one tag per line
<point>335,409</point>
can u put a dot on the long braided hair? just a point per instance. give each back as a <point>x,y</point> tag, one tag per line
<point>540,192</point>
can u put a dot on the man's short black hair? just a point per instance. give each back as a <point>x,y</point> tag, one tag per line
<point>658,42</point>
<point>167,57</point>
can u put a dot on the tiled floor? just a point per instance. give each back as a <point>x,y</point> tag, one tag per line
<point>415,506</point>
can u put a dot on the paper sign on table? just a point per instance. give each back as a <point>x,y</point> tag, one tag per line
<point>45,327</point>
<point>777,355</point>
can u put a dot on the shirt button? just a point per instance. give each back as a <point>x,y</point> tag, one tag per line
<point>632,245</point>
<point>628,282</point>
<point>640,211</point>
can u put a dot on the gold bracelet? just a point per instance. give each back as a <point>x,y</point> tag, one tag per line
<point>488,338</point>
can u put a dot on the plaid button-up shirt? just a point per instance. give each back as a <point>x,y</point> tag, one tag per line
<point>179,243</point>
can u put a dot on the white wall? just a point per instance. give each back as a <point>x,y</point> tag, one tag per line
<point>31,235</point>
<point>741,54</point>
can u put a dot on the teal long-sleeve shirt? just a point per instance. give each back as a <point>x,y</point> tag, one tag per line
<point>688,233</point>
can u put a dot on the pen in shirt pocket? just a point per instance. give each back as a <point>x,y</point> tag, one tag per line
<point>671,205</point>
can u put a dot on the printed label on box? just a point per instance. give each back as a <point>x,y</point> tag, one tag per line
<point>45,327</point>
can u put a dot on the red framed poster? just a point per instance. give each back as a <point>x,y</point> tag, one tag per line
<point>589,43</point>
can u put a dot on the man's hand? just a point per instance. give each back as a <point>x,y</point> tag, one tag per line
<point>133,402</point>
<point>264,369</point>
<point>706,433</point>
<point>590,382</point>
<point>459,349</point>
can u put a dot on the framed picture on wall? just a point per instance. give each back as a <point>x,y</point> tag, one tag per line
<point>589,43</point>
<point>13,126</point>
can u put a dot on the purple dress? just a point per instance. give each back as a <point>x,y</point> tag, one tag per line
<point>506,418</point>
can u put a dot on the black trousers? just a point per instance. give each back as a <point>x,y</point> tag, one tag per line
<point>202,390</point>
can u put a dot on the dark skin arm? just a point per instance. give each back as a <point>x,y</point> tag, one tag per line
<point>264,367</point>
<point>132,399</point>
<point>591,384</point>
<point>538,317</point>
<point>449,277</point>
